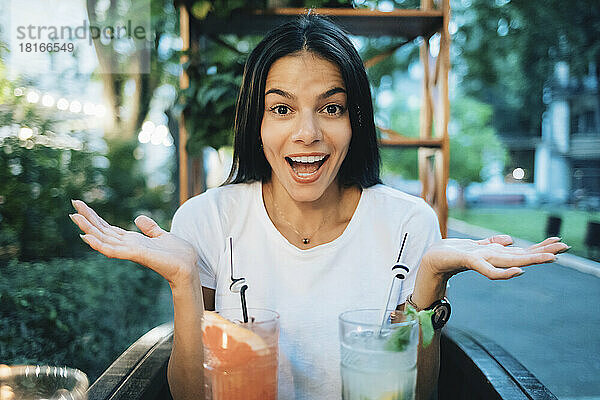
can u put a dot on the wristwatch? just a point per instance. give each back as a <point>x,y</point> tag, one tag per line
<point>441,311</point>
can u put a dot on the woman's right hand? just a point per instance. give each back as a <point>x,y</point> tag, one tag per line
<point>171,257</point>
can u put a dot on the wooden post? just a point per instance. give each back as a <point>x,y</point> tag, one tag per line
<point>425,116</point>
<point>434,164</point>
<point>184,81</point>
<point>443,165</point>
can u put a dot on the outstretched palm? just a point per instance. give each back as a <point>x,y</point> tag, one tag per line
<point>492,257</point>
<point>154,248</point>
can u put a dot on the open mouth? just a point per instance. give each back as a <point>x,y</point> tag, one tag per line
<point>306,166</point>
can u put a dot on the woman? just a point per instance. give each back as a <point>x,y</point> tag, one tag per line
<point>314,231</point>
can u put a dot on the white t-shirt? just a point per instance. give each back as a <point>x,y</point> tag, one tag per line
<point>308,288</point>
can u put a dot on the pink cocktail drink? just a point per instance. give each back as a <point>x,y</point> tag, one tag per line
<point>240,359</point>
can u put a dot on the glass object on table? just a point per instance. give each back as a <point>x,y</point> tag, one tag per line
<point>42,382</point>
<point>241,359</point>
<point>377,363</point>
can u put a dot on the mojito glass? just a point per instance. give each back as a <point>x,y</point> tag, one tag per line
<point>240,359</point>
<point>377,364</point>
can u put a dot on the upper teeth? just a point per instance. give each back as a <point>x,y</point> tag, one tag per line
<point>307,159</point>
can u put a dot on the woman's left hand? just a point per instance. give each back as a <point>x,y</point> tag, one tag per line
<point>492,257</point>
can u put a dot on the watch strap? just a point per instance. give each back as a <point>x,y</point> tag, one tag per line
<point>410,301</point>
<point>441,311</point>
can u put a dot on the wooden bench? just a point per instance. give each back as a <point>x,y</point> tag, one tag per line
<point>471,368</point>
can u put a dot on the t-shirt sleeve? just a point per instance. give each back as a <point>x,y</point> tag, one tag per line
<point>423,230</point>
<point>197,222</point>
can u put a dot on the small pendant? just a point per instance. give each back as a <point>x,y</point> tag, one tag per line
<point>306,240</point>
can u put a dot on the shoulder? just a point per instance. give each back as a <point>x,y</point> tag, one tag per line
<point>394,201</point>
<point>399,209</point>
<point>215,201</point>
<point>222,196</point>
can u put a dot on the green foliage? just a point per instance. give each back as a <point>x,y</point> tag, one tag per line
<point>41,174</point>
<point>36,185</point>
<point>200,9</point>
<point>473,140</point>
<point>403,162</point>
<point>474,143</point>
<point>405,121</point>
<point>210,108</point>
<point>208,104</point>
<point>81,313</point>
<point>506,51</point>
<point>125,195</point>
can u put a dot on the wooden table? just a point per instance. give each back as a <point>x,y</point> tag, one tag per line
<point>471,368</point>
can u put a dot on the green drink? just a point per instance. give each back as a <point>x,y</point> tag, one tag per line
<point>371,368</point>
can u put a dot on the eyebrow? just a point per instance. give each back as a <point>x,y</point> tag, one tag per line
<point>322,96</point>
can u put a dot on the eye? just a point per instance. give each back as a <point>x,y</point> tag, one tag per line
<point>334,109</point>
<point>280,109</point>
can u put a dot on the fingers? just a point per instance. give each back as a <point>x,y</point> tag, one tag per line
<point>501,244</point>
<point>488,270</point>
<point>554,248</point>
<point>85,225</point>
<point>551,245</point>
<point>546,242</point>
<point>520,260</point>
<point>109,250</point>
<point>95,219</point>
<point>148,226</point>
<point>504,240</point>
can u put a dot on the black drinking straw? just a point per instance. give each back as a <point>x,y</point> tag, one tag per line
<point>402,247</point>
<point>236,282</point>
<point>243,298</point>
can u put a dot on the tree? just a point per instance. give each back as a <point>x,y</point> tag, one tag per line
<point>505,52</point>
<point>123,174</point>
<point>43,167</point>
<point>114,66</point>
<point>473,143</point>
<point>40,171</point>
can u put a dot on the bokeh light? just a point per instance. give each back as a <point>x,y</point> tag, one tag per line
<point>25,133</point>
<point>62,104</point>
<point>89,108</point>
<point>75,106</point>
<point>518,173</point>
<point>33,96</point>
<point>47,100</point>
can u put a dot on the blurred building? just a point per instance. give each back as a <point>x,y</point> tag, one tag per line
<point>567,160</point>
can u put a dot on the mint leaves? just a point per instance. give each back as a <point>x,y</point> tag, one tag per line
<point>399,339</point>
<point>424,318</point>
<point>401,336</point>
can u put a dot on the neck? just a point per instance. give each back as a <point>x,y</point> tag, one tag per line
<point>335,206</point>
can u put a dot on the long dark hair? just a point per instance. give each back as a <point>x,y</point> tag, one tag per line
<point>322,37</point>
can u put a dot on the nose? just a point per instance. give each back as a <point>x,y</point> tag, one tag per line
<point>307,130</point>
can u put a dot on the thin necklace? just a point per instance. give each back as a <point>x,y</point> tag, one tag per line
<point>305,238</point>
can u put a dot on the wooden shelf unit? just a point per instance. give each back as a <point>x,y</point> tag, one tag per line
<point>431,18</point>
<point>408,24</point>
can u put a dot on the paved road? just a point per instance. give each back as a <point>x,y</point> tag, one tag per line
<point>548,318</point>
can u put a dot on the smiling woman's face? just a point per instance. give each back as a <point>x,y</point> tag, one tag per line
<point>305,128</point>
